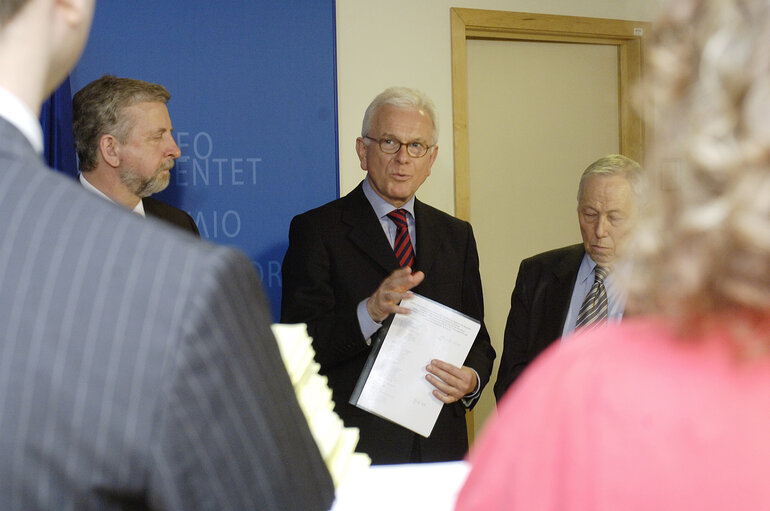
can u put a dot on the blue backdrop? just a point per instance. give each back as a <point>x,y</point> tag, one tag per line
<point>253,105</point>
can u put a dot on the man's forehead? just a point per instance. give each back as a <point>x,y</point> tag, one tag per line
<point>391,117</point>
<point>609,190</point>
<point>152,114</point>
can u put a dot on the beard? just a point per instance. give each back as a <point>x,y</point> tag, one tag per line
<point>145,186</point>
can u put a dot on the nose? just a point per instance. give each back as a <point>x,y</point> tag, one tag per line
<point>174,151</point>
<point>402,156</point>
<point>601,227</point>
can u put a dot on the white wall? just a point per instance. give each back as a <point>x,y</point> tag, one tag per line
<point>417,31</point>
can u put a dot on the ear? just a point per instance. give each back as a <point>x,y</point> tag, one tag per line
<point>109,148</point>
<point>70,21</point>
<point>361,149</point>
<point>432,157</point>
<point>74,12</point>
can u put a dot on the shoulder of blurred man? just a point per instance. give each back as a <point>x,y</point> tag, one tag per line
<point>172,333</point>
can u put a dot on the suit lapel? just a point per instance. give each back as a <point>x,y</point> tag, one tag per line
<point>366,231</point>
<point>560,292</point>
<point>429,243</point>
<point>149,206</point>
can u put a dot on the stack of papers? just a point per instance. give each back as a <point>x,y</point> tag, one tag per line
<point>392,384</point>
<point>335,442</point>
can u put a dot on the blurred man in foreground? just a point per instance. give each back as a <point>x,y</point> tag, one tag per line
<point>137,365</point>
<point>668,409</point>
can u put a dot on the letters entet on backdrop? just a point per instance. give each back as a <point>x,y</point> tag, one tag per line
<point>252,104</point>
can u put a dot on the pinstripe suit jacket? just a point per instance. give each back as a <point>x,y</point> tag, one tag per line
<point>137,367</point>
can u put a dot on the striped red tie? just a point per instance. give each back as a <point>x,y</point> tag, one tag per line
<point>403,245</point>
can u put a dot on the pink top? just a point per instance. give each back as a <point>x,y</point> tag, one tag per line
<point>628,417</point>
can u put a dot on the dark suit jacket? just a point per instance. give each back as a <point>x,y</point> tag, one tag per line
<point>170,214</point>
<point>137,365</point>
<point>539,306</point>
<point>338,255</point>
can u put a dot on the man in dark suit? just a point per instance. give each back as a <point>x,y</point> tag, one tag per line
<point>137,365</point>
<point>125,145</point>
<point>552,287</point>
<point>342,277</point>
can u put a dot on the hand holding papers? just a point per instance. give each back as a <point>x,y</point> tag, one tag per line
<point>393,383</point>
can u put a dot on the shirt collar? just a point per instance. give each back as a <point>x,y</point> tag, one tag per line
<point>17,113</point>
<point>381,206</point>
<point>138,209</point>
<point>621,272</point>
<point>586,270</point>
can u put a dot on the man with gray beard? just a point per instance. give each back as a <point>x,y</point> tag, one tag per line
<point>125,145</point>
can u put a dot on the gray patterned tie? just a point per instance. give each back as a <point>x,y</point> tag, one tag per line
<point>594,308</point>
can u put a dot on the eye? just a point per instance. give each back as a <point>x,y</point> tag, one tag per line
<point>388,142</point>
<point>417,145</point>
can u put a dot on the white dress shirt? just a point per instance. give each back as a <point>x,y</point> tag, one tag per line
<point>138,209</point>
<point>13,110</point>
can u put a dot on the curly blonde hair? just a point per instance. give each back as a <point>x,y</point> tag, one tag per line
<point>703,245</point>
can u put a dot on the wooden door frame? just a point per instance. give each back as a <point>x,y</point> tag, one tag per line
<point>627,36</point>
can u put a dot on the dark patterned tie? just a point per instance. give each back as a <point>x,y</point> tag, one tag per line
<point>594,308</point>
<point>403,245</point>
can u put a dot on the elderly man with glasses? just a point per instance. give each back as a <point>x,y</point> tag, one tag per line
<point>351,262</point>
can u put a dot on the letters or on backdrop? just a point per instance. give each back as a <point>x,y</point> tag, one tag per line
<point>253,105</point>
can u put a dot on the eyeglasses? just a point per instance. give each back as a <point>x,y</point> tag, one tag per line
<point>392,146</point>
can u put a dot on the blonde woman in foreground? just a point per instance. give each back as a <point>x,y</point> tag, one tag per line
<point>668,410</point>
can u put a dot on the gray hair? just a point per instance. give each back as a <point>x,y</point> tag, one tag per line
<point>402,97</point>
<point>704,244</point>
<point>97,109</point>
<point>615,165</point>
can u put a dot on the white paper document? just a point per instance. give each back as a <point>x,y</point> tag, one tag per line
<point>393,383</point>
<point>416,486</point>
